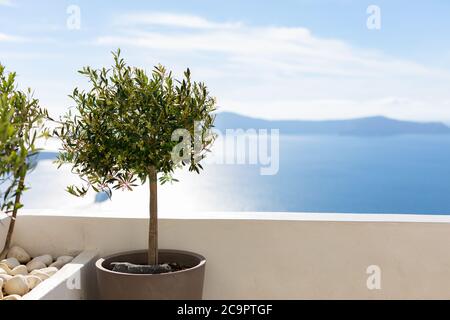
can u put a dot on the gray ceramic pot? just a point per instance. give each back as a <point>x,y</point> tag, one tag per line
<point>185,284</point>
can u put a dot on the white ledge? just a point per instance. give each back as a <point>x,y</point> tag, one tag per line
<point>279,216</point>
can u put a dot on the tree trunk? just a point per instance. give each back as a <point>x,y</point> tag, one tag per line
<point>153,222</point>
<point>12,222</point>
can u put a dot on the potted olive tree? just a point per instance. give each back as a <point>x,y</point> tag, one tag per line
<point>129,128</point>
<point>21,123</point>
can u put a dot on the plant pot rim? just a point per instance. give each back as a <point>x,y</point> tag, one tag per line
<point>99,262</point>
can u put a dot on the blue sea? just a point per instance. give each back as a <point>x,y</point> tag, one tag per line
<point>406,174</point>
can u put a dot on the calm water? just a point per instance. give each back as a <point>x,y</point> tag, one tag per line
<point>397,174</point>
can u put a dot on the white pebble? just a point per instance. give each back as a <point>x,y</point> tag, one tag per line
<point>57,264</point>
<point>12,297</point>
<point>65,259</point>
<point>50,270</point>
<point>41,275</point>
<point>11,262</point>
<point>20,254</point>
<point>45,259</point>
<point>35,264</point>
<point>61,261</point>
<point>33,281</point>
<point>5,268</point>
<point>19,270</point>
<point>5,277</point>
<point>17,285</point>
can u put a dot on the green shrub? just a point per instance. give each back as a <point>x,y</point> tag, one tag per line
<point>21,123</point>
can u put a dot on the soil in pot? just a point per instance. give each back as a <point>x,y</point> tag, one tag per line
<point>126,267</point>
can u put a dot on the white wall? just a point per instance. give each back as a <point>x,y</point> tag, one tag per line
<point>308,256</point>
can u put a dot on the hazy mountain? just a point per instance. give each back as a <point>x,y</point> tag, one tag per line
<point>369,126</point>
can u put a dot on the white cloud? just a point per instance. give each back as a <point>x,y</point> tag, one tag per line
<point>4,37</point>
<point>172,20</point>
<point>285,72</point>
<point>293,50</point>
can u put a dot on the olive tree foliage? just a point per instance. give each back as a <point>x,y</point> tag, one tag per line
<point>125,130</point>
<point>124,125</point>
<point>21,123</point>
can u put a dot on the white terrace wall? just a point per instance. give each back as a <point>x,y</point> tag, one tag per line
<point>287,256</point>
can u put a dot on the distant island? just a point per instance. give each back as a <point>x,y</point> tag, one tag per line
<point>370,126</point>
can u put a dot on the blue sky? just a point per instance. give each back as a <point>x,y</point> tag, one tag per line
<point>273,59</point>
